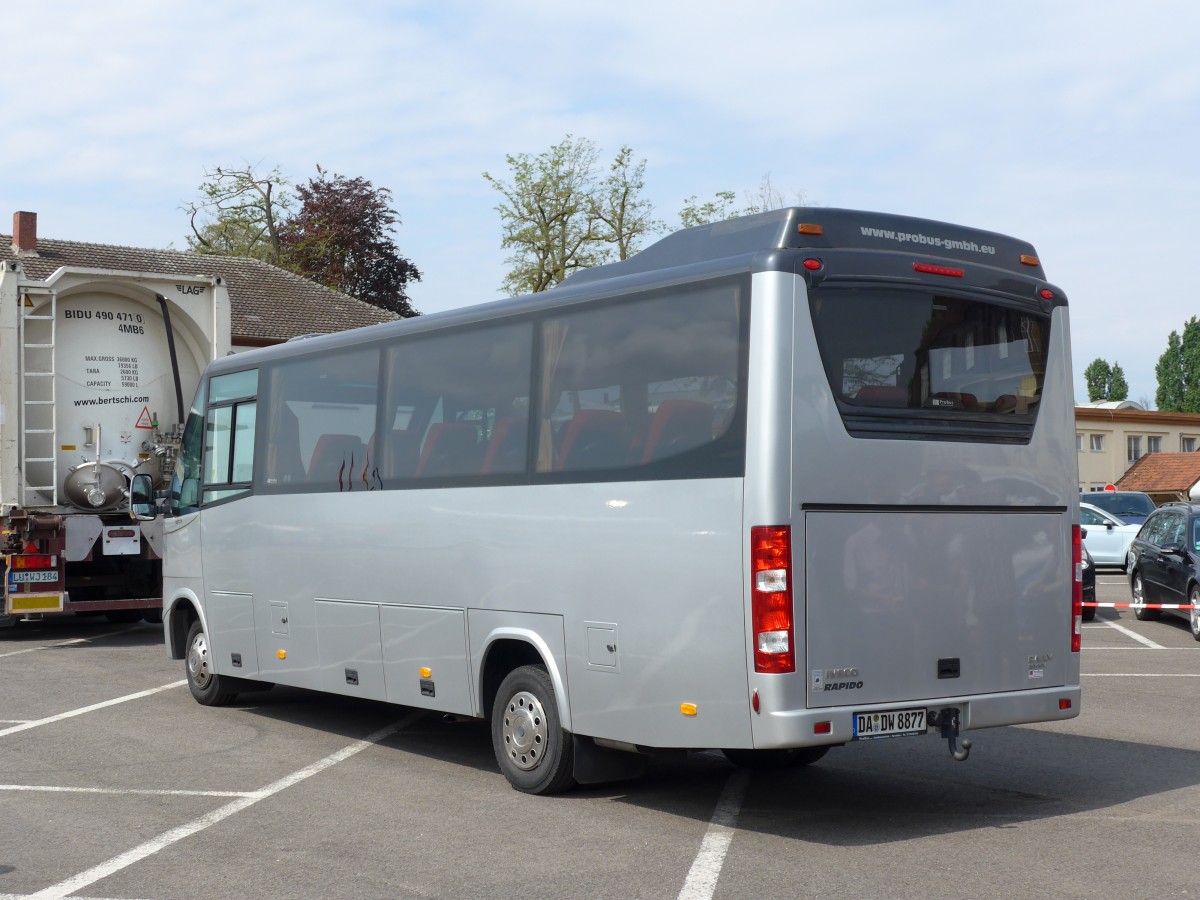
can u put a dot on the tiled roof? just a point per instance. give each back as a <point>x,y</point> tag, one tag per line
<point>268,304</point>
<point>1162,473</point>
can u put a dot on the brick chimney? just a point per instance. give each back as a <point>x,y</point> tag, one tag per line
<point>24,235</point>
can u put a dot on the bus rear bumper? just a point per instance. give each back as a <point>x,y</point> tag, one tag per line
<point>836,725</point>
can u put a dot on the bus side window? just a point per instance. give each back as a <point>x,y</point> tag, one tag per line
<point>468,389</point>
<point>229,429</point>
<point>646,383</point>
<point>320,415</point>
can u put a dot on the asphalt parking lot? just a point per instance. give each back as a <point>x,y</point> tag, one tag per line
<point>116,784</point>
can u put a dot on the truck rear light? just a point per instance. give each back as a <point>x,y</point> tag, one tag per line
<point>1076,589</point>
<point>32,561</point>
<point>771,599</point>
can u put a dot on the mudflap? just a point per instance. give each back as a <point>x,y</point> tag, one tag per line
<point>595,764</point>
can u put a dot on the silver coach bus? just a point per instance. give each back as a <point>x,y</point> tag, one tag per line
<point>773,485</point>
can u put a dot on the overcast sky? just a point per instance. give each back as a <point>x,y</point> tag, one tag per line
<point>1073,124</point>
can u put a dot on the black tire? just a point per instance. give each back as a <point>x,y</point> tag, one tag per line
<point>761,760</point>
<point>534,753</point>
<point>153,616</point>
<point>1089,612</point>
<point>123,616</point>
<point>209,688</point>
<point>1139,596</point>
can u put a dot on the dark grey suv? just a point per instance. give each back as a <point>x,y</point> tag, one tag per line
<point>1164,564</point>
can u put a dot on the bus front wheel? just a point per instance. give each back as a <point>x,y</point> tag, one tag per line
<point>209,688</point>
<point>534,753</point>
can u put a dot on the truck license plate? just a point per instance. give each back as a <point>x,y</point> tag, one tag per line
<point>33,577</point>
<point>888,723</point>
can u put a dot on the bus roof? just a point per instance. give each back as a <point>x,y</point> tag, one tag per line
<point>822,228</point>
<point>761,242</point>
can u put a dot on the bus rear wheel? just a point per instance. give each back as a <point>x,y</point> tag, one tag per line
<point>534,753</point>
<point>774,759</point>
<point>209,688</point>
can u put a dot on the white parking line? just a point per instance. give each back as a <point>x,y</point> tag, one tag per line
<point>70,714</point>
<point>54,789</point>
<point>702,878</point>
<point>1133,634</point>
<point>67,643</point>
<point>66,888</point>
<point>44,647</point>
<point>1141,674</point>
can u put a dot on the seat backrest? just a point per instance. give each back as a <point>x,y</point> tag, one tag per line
<point>883,395</point>
<point>398,454</point>
<point>1004,403</point>
<point>595,439</point>
<point>506,449</point>
<point>678,425</point>
<point>335,457</point>
<point>451,448</point>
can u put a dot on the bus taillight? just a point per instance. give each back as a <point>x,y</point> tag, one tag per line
<point>771,598</point>
<point>1076,589</point>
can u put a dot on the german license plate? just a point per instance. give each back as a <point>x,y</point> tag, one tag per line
<point>33,577</point>
<point>888,723</point>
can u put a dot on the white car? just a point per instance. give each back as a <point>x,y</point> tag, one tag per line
<point>1108,538</point>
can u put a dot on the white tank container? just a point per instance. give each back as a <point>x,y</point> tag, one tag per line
<point>113,380</point>
<point>113,396</point>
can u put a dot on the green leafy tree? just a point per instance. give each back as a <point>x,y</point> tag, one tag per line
<point>696,213</point>
<point>340,237</point>
<point>1178,371</point>
<point>547,215</point>
<point>724,204</point>
<point>239,213</point>
<point>1105,382</point>
<point>618,204</point>
<point>1118,388</point>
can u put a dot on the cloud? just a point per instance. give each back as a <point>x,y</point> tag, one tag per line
<point>1070,124</point>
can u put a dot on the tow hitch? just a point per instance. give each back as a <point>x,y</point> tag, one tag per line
<point>948,721</point>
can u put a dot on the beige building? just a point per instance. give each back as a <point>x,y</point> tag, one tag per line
<point>1111,437</point>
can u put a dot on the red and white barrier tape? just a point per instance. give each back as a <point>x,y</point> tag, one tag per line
<point>1142,605</point>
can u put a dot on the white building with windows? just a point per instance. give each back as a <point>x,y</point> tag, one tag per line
<point>1110,437</point>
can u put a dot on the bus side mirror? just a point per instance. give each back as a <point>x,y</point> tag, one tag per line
<point>141,499</point>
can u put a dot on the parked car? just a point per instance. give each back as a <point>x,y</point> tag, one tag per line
<point>1108,538</point>
<point>1129,506</point>
<point>1089,586</point>
<point>1164,563</point>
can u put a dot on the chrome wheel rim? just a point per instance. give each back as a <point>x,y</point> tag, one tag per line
<point>1137,591</point>
<point>197,661</point>
<point>524,730</point>
<point>1194,613</point>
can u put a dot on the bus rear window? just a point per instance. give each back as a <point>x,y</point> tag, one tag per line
<point>912,363</point>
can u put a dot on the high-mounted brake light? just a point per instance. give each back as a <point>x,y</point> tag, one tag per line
<point>931,269</point>
<point>1076,589</point>
<point>811,228</point>
<point>771,598</point>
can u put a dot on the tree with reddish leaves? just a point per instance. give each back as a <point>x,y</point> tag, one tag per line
<point>339,238</point>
